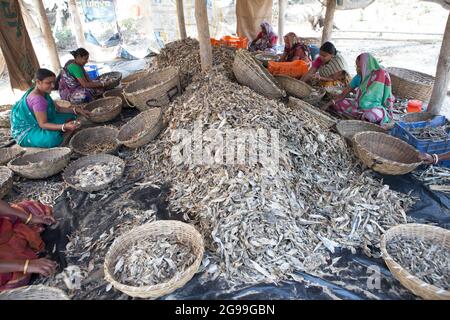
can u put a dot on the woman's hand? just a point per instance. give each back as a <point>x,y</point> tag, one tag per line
<point>426,158</point>
<point>47,220</point>
<point>328,105</point>
<point>42,266</point>
<point>70,126</point>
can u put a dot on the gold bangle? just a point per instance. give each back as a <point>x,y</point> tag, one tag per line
<point>25,267</point>
<point>29,219</point>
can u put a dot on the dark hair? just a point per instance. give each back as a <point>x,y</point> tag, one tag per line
<point>329,48</point>
<point>41,74</point>
<point>80,52</point>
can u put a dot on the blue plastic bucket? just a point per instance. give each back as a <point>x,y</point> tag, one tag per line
<point>92,71</point>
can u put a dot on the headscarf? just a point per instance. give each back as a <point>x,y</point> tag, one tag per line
<point>293,39</point>
<point>268,28</point>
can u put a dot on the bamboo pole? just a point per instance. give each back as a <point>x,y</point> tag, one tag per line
<point>181,23</point>
<point>201,17</point>
<point>76,24</point>
<point>328,23</point>
<point>281,17</point>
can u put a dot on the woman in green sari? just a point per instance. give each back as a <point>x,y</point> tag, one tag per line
<point>36,121</point>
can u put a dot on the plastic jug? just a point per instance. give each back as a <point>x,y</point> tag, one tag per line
<point>414,106</point>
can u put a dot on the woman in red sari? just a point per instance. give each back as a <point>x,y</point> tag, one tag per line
<point>20,242</point>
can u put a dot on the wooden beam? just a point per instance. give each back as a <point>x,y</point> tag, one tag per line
<point>442,74</point>
<point>77,27</point>
<point>328,23</point>
<point>181,23</point>
<point>201,17</point>
<point>48,35</point>
<point>282,4</point>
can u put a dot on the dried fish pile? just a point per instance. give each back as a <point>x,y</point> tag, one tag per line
<point>5,135</point>
<point>263,220</point>
<point>153,262</point>
<point>434,133</point>
<point>43,191</point>
<point>436,178</point>
<point>424,259</point>
<point>96,174</point>
<point>98,147</point>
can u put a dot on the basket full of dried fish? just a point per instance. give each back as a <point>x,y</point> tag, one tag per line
<point>35,292</point>
<point>141,129</point>
<point>294,87</point>
<point>104,109</point>
<point>154,259</point>
<point>116,92</point>
<point>418,255</point>
<point>132,77</point>
<point>111,79</point>
<point>251,73</point>
<point>95,140</point>
<point>42,164</point>
<point>6,181</point>
<point>156,89</point>
<point>7,154</point>
<point>5,111</point>
<point>411,84</point>
<point>348,128</point>
<point>385,154</point>
<point>94,172</point>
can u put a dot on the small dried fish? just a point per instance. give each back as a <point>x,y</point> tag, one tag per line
<point>96,174</point>
<point>433,133</point>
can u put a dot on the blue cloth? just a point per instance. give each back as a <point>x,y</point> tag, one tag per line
<point>314,51</point>
<point>356,82</point>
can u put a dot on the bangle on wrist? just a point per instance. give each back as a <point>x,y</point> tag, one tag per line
<point>29,219</point>
<point>435,158</point>
<point>75,111</point>
<point>62,128</point>
<point>25,266</point>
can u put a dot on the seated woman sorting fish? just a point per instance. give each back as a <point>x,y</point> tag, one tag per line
<point>36,121</point>
<point>374,100</point>
<point>329,68</point>
<point>265,40</point>
<point>295,50</point>
<point>21,244</point>
<point>74,84</point>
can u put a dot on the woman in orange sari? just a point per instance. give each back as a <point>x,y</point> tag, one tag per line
<point>20,242</point>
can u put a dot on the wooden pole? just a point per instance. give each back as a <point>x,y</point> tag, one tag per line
<point>442,74</point>
<point>281,16</point>
<point>328,24</point>
<point>76,24</point>
<point>181,23</point>
<point>201,17</point>
<point>48,35</point>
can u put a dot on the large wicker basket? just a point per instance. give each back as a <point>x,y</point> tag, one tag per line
<point>348,128</point>
<point>111,108</point>
<point>42,164</point>
<point>417,116</point>
<point>36,292</point>
<point>141,129</point>
<point>385,154</point>
<point>5,111</point>
<point>251,73</point>
<point>411,282</point>
<point>182,232</point>
<point>294,87</point>
<point>7,154</point>
<point>264,58</point>
<point>111,79</point>
<point>134,76</point>
<point>6,181</point>
<point>70,172</point>
<point>309,112</point>
<point>116,92</point>
<point>95,140</point>
<point>411,84</point>
<point>156,89</point>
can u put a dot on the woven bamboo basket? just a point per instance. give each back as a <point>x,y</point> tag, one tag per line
<point>348,128</point>
<point>156,89</point>
<point>316,96</point>
<point>251,73</point>
<point>422,232</point>
<point>63,103</point>
<point>264,58</point>
<point>310,112</point>
<point>7,154</point>
<point>182,232</point>
<point>5,111</point>
<point>111,79</point>
<point>42,164</point>
<point>132,77</point>
<point>385,154</point>
<point>103,137</point>
<point>70,172</point>
<point>417,116</point>
<point>294,87</point>
<point>112,108</point>
<point>6,181</point>
<point>411,84</point>
<point>36,292</point>
<point>116,92</point>
<point>141,129</point>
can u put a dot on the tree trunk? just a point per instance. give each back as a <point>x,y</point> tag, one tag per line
<point>442,74</point>
<point>181,23</point>
<point>281,16</point>
<point>328,24</point>
<point>76,24</point>
<point>48,35</point>
<point>201,17</point>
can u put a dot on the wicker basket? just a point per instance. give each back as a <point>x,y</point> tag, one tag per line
<point>5,111</point>
<point>111,79</point>
<point>7,154</point>
<point>411,84</point>
<point>116,92</point>
<point>348,128</point>
<point>294,87</point>
<point>316,96</point>
<point>63,103</point>
<point>106,137</point>
<point>141,129</point>
<point>134,76</point>
<point>37,292</point>
<point>411,282</point>
<point>71,170</point>
<point>309,112</point>
<point>156,89</point>
<point>183,232</point>
<point>112,105</point>
<point>264,58</point>
<point>6,181</point>
<point>251,73</point>
<point>385,154</point>
<point>417,116</point>
<point>42,164</point>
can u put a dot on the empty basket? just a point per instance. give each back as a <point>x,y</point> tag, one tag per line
<point>411,84</point>
<point>95,140</point>
<point>348,128</point>
<point>6,181</point>
<point>105,109</point>
<point>141,129</point>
